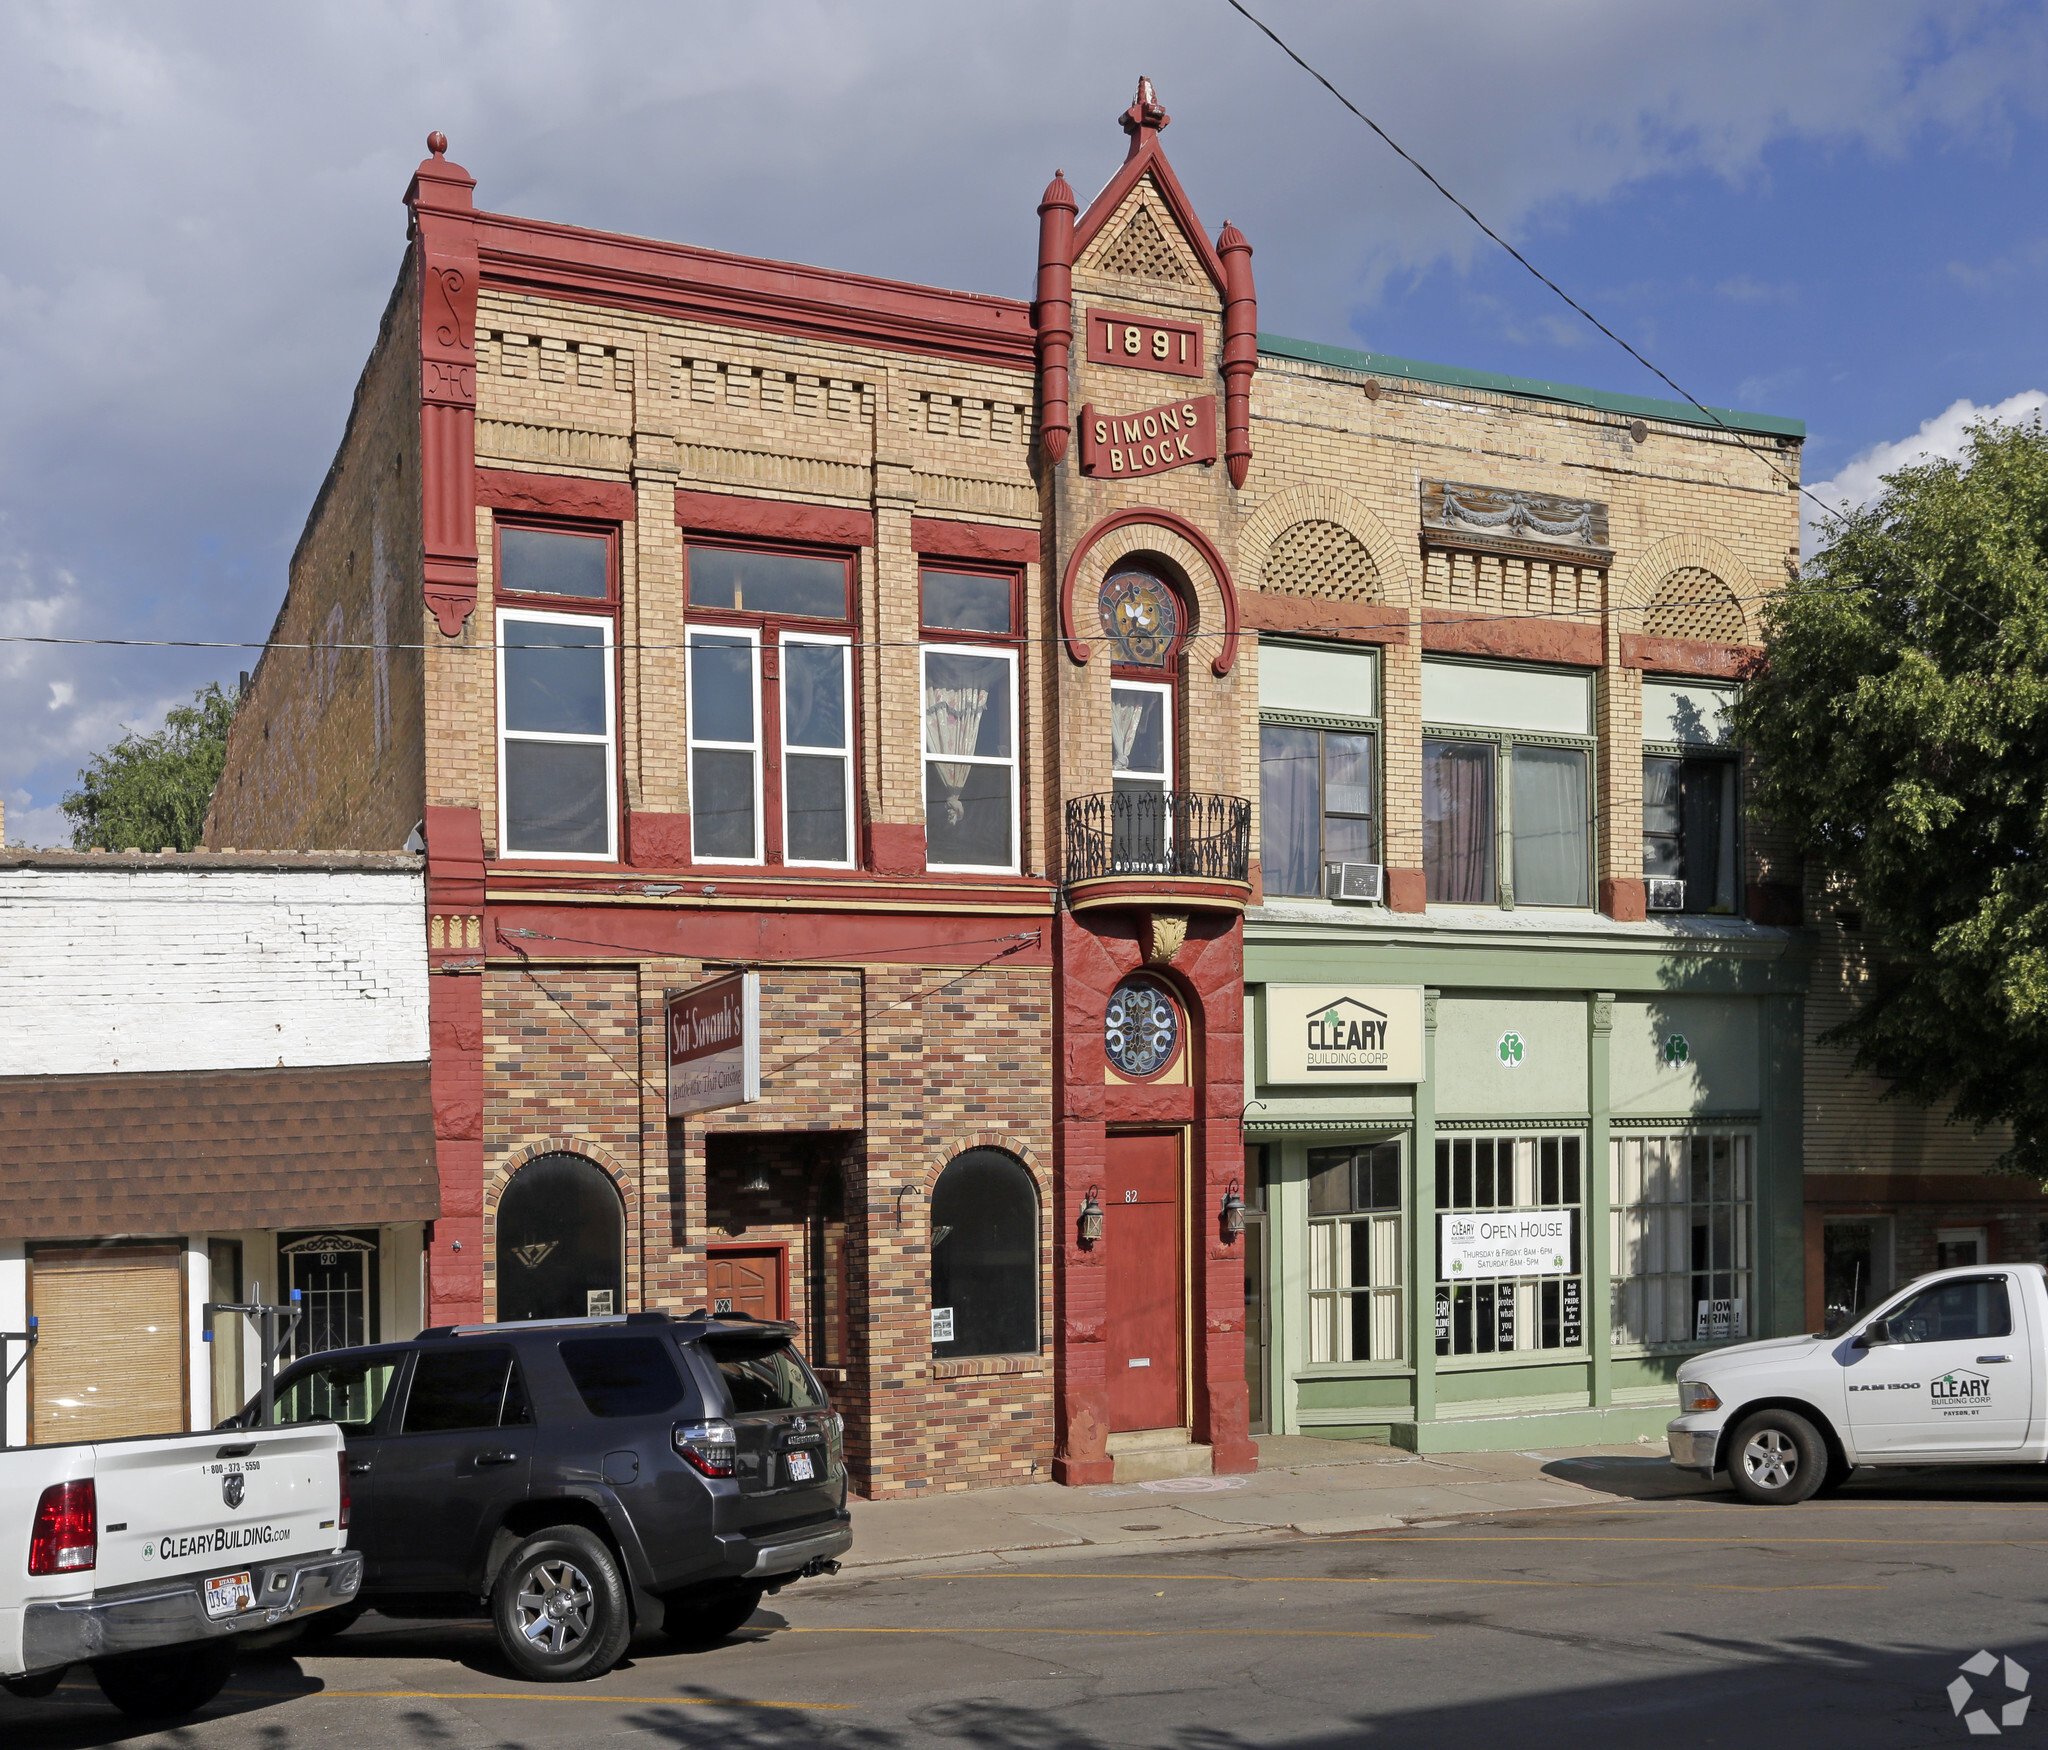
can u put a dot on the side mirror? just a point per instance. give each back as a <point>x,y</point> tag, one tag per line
<point>1874,1336</point>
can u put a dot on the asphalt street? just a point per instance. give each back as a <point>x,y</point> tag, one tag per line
<point>1663,1621</point>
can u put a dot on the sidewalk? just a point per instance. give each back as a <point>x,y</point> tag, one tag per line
<point>1303,1487</point>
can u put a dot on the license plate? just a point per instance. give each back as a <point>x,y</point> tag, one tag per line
<point>228,1593</point>
<point>803,1468</point>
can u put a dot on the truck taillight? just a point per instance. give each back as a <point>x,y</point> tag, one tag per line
<point>711,1447</point>
<point>341,1458</point>
<point>66,1537</point>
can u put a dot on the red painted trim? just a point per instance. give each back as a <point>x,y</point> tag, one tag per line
<point>1407,890</point>
<point>444,242</point>
<point>1147,157</point>
<point>540,259</point>
<point>602,933</point>
<point>1624,898</point>
<point>1127,440</point>
<point>564,495</point>
<point>1522,639</point>
<point>988,543</point>
<point>657,840</point>
<point>1240,350</point>
<point>1148,1103</point>
<point>772,519</point>
<point>1347,622</point>
<point>1054,313</point>
<point>1078,647</point>
<point>1689,656</point>
<point>455,1033</point>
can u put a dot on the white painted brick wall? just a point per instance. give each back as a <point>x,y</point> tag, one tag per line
<point>184,969</point>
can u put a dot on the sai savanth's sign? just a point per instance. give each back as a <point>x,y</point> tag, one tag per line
<point>1123,445</point>
<point>1343,1033</point>
<point>714,1044</point>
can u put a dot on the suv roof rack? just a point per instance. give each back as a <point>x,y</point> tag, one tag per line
<point>696,1316</point>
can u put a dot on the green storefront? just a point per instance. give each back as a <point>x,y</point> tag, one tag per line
<point>1508,1168</point>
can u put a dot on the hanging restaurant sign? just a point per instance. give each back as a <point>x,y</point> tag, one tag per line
<point>1125,445</point>
<point>714,1044</point>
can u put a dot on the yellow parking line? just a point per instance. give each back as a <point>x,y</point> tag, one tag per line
<point>1407,1580</point>
<point>1334,1634</point>
<point>1731,1542</point>
<point>540,1695</point>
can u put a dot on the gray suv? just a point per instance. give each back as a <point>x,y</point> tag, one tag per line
<point>575,1479</point>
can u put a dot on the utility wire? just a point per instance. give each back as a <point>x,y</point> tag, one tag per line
<point>1833,513</point>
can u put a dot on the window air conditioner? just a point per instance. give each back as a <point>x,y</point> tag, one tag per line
<point>1666,893</point>
<point>1359,882</point>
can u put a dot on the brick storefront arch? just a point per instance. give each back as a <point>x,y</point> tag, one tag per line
<point>497,1177</point>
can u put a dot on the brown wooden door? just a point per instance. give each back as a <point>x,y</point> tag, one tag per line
<point>1142,1233</point>
<point>749,1279</point>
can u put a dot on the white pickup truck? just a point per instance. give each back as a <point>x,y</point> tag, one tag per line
<point>1952,1370</point>
<point>149,1558</point>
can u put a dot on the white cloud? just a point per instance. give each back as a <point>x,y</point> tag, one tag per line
<point>61,694</point>
<point>1941,438</point>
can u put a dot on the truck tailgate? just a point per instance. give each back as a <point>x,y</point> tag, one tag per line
<point>185,1504</point>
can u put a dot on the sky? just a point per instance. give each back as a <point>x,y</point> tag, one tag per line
<point>1829,210</point>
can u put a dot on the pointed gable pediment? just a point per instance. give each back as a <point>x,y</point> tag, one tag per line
<point>1143,224</point>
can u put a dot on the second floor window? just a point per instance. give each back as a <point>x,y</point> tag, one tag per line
<point>970,758</point>
<point>1691,791</point>
<point>558,742</point>
<point>770,708</point>
<point>1318,746</point>
<point>1507,806</point>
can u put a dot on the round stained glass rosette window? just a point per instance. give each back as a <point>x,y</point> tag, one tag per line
<point>1141,617</point>
<point>1141,1029</point>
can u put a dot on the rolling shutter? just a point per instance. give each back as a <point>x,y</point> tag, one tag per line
<point>110,1355</point>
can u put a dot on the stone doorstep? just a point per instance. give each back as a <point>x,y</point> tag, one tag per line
<point>1150,1455</point>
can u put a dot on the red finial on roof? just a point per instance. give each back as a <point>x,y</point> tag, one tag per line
<point>437,143</point>
<point>1144,112</point>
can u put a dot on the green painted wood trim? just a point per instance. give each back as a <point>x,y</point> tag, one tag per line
<point>1617,1425</point>
<point>1380,364</point>
<point>1780,1273</point>
<point>1422,1226</point>
<point>1597,1184</point>
<point>1377,951</point>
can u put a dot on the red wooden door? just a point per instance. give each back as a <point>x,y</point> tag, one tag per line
<point>749,1280</point>
<point>1142,1230</point>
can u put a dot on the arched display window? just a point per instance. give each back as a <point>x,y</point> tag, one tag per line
<point>561,1241</point>
<point>984,1257</point>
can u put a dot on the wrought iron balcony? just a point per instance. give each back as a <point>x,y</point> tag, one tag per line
<point>1181,835</point>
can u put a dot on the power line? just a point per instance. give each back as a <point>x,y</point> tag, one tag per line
<point>1831,512</point>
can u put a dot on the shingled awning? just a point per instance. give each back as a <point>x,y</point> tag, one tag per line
<point>194,1151</point>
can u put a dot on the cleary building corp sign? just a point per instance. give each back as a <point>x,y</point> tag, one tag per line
<point>1343,1033</point>
<point>714,1044</point>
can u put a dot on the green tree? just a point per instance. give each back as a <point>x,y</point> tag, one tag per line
<point>152,790</point>
<point>1900,729</point>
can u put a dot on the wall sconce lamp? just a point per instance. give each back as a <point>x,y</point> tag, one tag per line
<point>1233,1210</point>
<point>756,1179</point>
<point>1091,1216</point>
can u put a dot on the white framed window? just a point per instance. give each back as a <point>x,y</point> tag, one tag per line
<point>1682,1207</point>
<point>1355,1234</point>
<point>970,758</point>
<point>724,699</point>
<point>557,736</point>
<point>1530,1297</point>
<point>1141,736</point>
<point>817,751</point>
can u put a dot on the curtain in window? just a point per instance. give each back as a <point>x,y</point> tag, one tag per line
<point>1290,810</point>
<point>1550,826</point>
<point>1457,822</point>
<point>952,717</point>
<point>1126,717</point>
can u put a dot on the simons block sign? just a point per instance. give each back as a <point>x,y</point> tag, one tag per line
<point>1170,436</point>
<point>714,1044</point>
<point>1343,1033</point>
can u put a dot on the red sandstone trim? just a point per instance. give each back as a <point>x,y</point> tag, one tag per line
<point>444,243</point>
<point>1624,898</point>
<point>1407,890</point>
<point>773,519</point>
<point>540,259</point>
<point>1521,639</point>
<point>1348,622</point>
<point>1240,350</point>
<point>1693,656</point>
<point>1078,647</point>
<point>565,495</point>
<point>987,543</point>
<point>1054,312</point>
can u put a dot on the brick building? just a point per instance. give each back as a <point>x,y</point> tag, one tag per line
<point>213,1085</point>
<point>1005,688</point>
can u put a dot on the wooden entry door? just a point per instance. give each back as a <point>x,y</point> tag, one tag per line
<point>1143,1227</point>
<point>751,1280</point>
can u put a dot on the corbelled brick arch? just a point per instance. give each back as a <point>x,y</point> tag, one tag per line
<point>1693,587</point>
<point>1212,592</point>
<point>1295,530</point>
<point>954,1147</point>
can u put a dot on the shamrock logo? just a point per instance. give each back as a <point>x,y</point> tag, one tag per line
<point>1677,1049</point>
<point>1978,1719</point>
<point>1511,1049</point>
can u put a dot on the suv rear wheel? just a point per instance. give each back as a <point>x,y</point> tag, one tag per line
<point>709,1613</point>
<point>560,1606</point>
